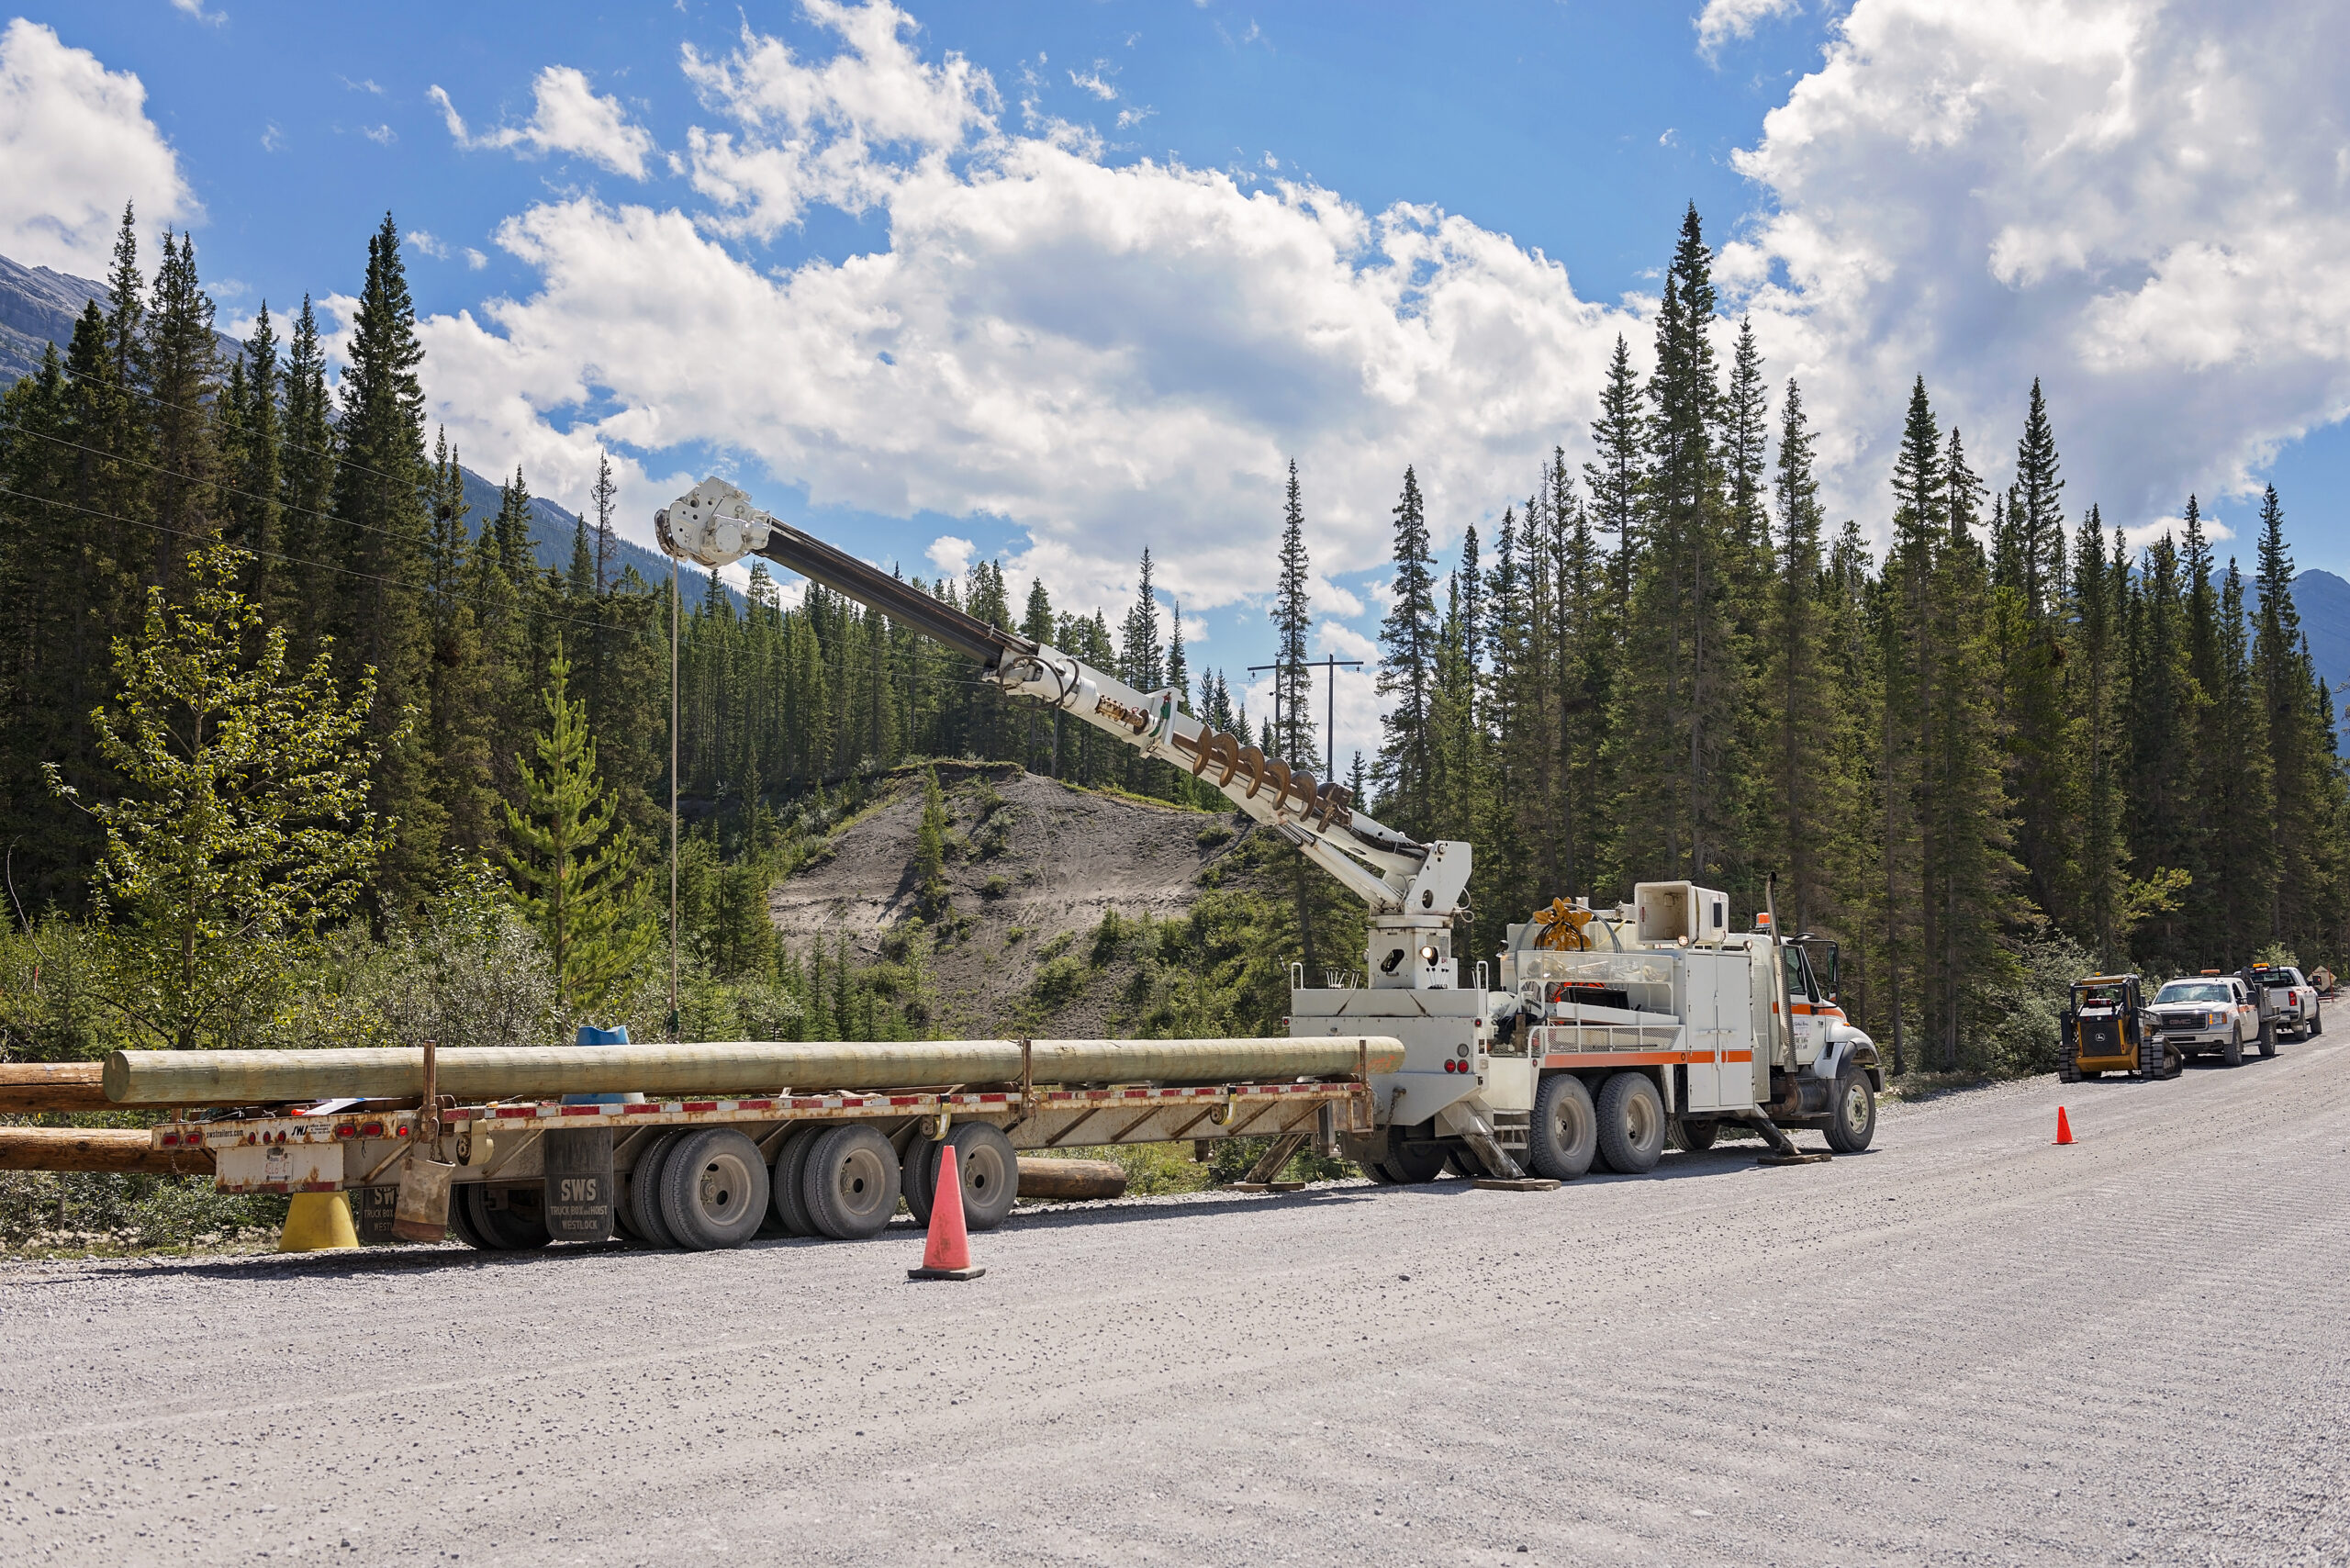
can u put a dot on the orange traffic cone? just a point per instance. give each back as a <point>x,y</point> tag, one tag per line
<point>2063,1136</point>
<point>947,1254</point>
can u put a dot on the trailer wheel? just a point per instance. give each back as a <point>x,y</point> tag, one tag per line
<point>1462,1160</point>
<point>1563,1134</point>
<point>1415,1163</point>
<point>2269,1040</point>
<point>1851,1116</point>
<point>915,1182</point>
<point>2231,1053</point>
<point>851,1183</point>
<point>2317,1019</point>
<point>1697,1136</point>
<point>1378,1173</point>
<point>988,1170</point>
<point>645,1216</point>
<point>788,1186</point>
<point>496,1230</point>
<point>461,1224</point>
<point>713,1190</point>
<point>1631,1124</point>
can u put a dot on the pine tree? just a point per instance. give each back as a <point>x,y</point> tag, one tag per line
<point>183,378</point>
<point>2163,719</point>
<point>2281,681</point>
<point>1405,768</point>
<point>575,869</point>
<point>604,497</point>
<point>255,468</point>
<point>307,464</point>
<point>2033,653</point>
<point>1807,807</point>
<point>929,851</point>
<point>380,529</point>
<point>1614,478</point>
<point>1292,613</point>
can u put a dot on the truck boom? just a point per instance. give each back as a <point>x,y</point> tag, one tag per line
<point>1415,892</point>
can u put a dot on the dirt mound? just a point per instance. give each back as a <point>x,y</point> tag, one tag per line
<point>1030,862</point>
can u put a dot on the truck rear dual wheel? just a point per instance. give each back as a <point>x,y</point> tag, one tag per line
<point>850,1185</point>
<point>1631,1124</point>
<point>1696,1137</point>
<point>645,1219</point>
<point>1562,1136</point>
<point>713,1190</point>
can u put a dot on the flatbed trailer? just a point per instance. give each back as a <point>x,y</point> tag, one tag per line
<point>524,1173</point>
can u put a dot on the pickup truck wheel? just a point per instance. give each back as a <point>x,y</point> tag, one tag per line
<point>787,1184</point>
<point>1852,1115</point>
<point>1631,1124</point>
<point>1562,1136</point>
<point>915,1182</point>
<point>989,1170</point>
<point>644,1194</point>
<point>1697,1136</point>
<point>713,1190</point>
<point>2231,1053</point>
<point>851,1183</point>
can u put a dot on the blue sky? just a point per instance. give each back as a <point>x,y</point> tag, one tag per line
<point>1055,281</point>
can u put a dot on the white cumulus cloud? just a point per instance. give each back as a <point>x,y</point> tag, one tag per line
<point>568,115</point>
<point>2142,204</point>
<point>1722,20</point>
<point>76,144</point>
<point>1107,356</point>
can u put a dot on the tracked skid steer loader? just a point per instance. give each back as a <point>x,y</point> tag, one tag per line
<point>2108,1029</point>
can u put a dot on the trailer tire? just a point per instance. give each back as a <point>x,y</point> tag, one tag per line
<point>1378,1173</point>
<point>850,1185</point>
<point>713,1190</point>
<point>2317,1019</point>
<point>786,1187</point>
<point>916,1183</point>
<point>2231,1053</point>
<point>1463,1160</point>
<point>989,1170</point>
<point>1562,1136</point>
<point>1852,1115</point>
<point>2269,1040</point>
<point>1698,1135</point>
<point>496,1230</point>
<point>1416,1163</point>
<point>1631,1124</point>
<point>461,1225</point>
<point>645,1216</point>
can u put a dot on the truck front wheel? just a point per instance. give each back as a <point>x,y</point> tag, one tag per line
<point>1631,1124</point>
<point>1852,1115</point>
<point>1563,1132</point>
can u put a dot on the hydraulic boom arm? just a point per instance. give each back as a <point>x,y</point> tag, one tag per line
<point>1411,885</point>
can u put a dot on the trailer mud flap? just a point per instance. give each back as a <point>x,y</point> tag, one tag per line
<point>372,1211</point>
<point>421,1211</point>
<point>579,1185</point>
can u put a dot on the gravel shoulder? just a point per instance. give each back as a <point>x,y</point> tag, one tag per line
<point>1966,1345</point>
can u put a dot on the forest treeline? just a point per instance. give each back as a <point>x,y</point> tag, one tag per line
<point>2010,743</point>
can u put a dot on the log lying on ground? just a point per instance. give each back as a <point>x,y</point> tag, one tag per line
<point>29,1086</point>
<point>118,1149</point>
<point>1047,1178</point>
<point>477,1073</point>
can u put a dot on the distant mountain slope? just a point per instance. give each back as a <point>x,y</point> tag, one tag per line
<point>38,306</point>
<point>553,530</point>
<point>2324,601</point>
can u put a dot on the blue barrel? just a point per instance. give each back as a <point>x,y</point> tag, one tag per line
<point>591,1035</point>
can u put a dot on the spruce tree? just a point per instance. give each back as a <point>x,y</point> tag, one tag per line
<point>183,380</point>
<point>575,869</point>
<point>1612,478</point>
<point>1292,613</point>
<point>307,465</point>
<point>380,527</point>
<point>1405,770</point>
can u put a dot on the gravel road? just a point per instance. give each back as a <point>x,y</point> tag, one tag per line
<point>1965,1347</point>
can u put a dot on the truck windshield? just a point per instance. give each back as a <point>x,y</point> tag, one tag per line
<point>2192,990</point>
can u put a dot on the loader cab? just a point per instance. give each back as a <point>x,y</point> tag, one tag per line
<point>2106,1029</point>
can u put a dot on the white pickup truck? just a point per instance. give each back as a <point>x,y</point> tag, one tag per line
<point>2211,1011</point>
<point>2293,1001</point>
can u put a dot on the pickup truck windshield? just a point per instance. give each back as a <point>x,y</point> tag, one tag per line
<point>2192,990</point>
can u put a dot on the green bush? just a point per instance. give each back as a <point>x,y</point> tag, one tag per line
<point>1058,981</point>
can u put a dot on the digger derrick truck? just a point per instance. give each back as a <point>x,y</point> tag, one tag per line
<point>1598,1034</point>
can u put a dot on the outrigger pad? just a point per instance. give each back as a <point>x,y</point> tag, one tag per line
<point>1515,1185</point>
<point>1795,1158</point>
